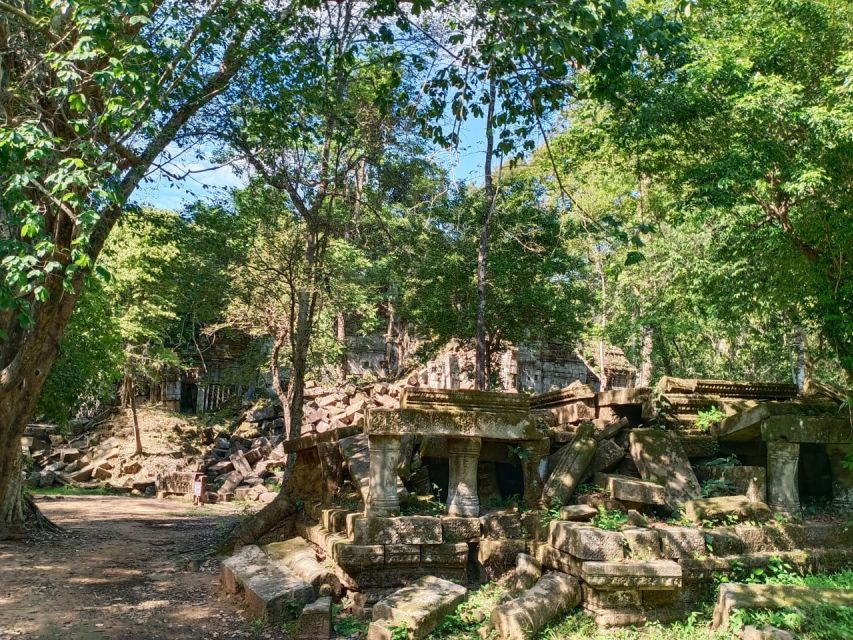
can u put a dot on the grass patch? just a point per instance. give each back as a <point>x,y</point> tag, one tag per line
<point>824,622</point>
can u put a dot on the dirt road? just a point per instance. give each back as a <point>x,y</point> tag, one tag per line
<point>126,569</point>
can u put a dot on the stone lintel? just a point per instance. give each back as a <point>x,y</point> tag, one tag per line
<point>505,425</point>
<point>811,429</point>
<point>463,400</point>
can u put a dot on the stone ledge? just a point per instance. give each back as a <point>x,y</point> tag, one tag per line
<point>651,575</point>
<point>397,530</point>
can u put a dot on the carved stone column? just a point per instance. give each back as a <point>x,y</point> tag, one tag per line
<point>463,455</point>
<point>533,467</point>
<point>842,477</point>
<point>382,499</point>
<point>783,493</point>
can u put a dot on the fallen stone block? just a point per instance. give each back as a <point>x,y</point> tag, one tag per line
<point>578,513</point>
<point>398,530</point>
<point>772,596</point>
<point>661,459</point>
<point>299,556</point>
<point>521,618</point>
<point>315,623</point>
<point>571,465</point>
<point>527,572</point>
<point>629,489</point>
<point>552,558</point>
<point>420,607</point>
<point>726,509</point>
<point>766,632</point>
<point>270,590</point>
<point>607,455</point>
<point>498,556</point>
<point>585,541</point>
<point>648,575</point>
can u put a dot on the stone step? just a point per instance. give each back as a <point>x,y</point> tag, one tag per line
<point>649,575</point>
<point>421,607</point>
<point>521,618</point>
<point>269,588</point>
<point>772,596</point>
<point>299,556</point>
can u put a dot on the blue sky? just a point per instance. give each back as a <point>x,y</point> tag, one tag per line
<point>214,182</point>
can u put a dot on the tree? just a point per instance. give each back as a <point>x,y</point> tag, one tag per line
<point>92,94</point>
<point>750,124</point>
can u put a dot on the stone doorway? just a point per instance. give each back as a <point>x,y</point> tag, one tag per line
<point>814,475</point>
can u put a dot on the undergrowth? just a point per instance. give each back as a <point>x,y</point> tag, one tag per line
<point>66,490</point>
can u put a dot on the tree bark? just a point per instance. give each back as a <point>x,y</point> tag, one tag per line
<point>481,353</point>
<point>137,435</point>
<point>646,358</point>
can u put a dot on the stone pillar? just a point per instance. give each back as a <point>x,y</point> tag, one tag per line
<point>534,468</point>
<point>463,455</point>
<point>842,478</point>
<point>382,498</point>
<point>783,493</point>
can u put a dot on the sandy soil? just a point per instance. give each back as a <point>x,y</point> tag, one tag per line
<point>125,569</point>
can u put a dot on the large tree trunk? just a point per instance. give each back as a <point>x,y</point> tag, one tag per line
<point>20,387</point>
<point>645,378</point>
<point>481,354</point>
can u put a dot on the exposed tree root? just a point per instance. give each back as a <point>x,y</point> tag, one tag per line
<point>256,526</point>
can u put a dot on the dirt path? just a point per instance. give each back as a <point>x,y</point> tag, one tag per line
<point>124,570</point>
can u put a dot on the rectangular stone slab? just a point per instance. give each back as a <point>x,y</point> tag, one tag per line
<point>726,507</point>
<point>746,424</point>
<point>299,556</point>
<point>462,400</point>
<point>521,618</point>
<point>651,575</point>
<point>631,489</point>
<point>421,606</point>
<point>401,530</point>
<point>813,429</point>
<point>661,459</point>
<point>585,541</point>
<point>570,466</point>
<point>506,425</point>
<point>771,596</point>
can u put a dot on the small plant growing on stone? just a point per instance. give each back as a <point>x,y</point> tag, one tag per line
<point>609,519</point>
<point>586,488</point>
<point>708,418</point>
<point>717,487</point>
<point>549,514</point>
<point>518,452</point>
<point>400,631</point>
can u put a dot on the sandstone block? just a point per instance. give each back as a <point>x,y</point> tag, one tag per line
<point>451,554</point>
<point>681,542</point>
<point>643,575</point>
<point>357,557</point>
<point>607,455</point>
<point>315,623</point>
<point>726,508</point>
<point>521,618</point>
<point>643,544</point>
<point>402,555</point>
<point>633,490</point>
<point>552,558</point>
<point>421,607</point>
<point>456,529</point>
<point>399,530</point>
<point>502,524</point>
<point>661,459</point>
<point>578,513</point>
<point>586,542</point>
<point>527,572</point>
<point>498,556</point>
<point>571,464</point>
<point>299,556</point>
<point>601,599</point>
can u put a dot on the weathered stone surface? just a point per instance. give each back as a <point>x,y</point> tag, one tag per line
<point>382,497</point>
<point>606,599</point>
<point>502,524</point>
<point>527,572</point>
<point>421,607</point>
<point>783,460</point>
<point>456,529</point>
<point>726,508</point>
<point>399,530</point>
<point>357,557</point>
<point>552,558</point>
<point>748,481</point>
<point>745,423</point>
<point>354,450</point>
<point>661,459</point>
<point>698,444</point>
<point>770,596</point>
<point>630,489</point>
<point>842,476</point>
<point>462,497</point>
<point>462,400</point>
<point>521,618</point>
<point>299,556</point>
<point>315,623</point>
<point>269,589</point>
<point>402,555</point>
<point>607,455</point>
<point>180,482</point>
<point>681,542</point>
<point>816,429</point>
<point>766,632</point>
<point>578,513</point>
<point>498,556</point>
<point>643,575</point>
<point>586,542</point>
<point>503,425</point>
<point>448,554</point>
<point>643,544</point>
<point>572,463</point>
